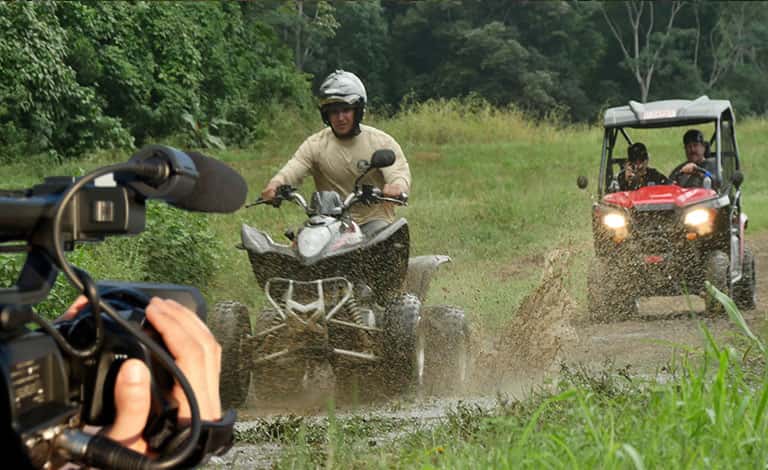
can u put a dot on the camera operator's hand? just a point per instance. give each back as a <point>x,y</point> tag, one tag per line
<point>629,172</point>
<point>197,354</point>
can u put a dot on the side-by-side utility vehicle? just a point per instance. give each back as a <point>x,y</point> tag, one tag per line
<point>668,239</point>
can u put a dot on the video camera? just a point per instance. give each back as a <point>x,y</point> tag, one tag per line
<point>59,377</point>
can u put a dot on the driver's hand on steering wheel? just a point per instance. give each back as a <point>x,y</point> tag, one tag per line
<point>689,168</point>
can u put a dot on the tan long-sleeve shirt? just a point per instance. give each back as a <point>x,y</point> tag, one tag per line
<point>332,162</point>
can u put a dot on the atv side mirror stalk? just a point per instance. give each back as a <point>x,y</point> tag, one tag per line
<point>737,178</point>
<point>582,182</point>
<point>381,158</point>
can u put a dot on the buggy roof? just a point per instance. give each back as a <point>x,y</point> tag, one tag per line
<point>667,113</point>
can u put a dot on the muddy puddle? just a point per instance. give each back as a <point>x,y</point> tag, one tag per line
<point>547,331</point>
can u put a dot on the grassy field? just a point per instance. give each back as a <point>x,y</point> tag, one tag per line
<point>491,189</point>
<point>497,192</point>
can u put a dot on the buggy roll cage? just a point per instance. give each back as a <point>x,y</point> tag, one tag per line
<point>672,113</point>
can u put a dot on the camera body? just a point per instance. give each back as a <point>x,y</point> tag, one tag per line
<point>43,391</point>
<point>60,377</point>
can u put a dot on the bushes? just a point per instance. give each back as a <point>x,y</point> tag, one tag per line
<point>177,247</point>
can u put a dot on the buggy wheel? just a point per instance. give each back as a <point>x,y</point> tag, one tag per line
<point>442,350</point>
<point>280,379</point>
<point>744,291</point>
<point>717,271</point>
<point>399,370</point>
<point>231,325</point>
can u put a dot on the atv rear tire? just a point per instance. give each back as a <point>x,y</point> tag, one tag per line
<point>231,325</point>
<point>399,370</point>
<point>281,379</point>
<point>717,273</point>
<point>607,298</point>
<point>744,291</point>
<point>442,350</point>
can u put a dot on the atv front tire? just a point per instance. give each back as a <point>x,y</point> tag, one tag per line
<point>442,350</point>
<point>280,379</point>
<point>744,291</point>
<point>399,370</point>
<point>231,325</point>
<point>717,273</point>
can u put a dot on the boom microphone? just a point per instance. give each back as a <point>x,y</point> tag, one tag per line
<point>218,189</point>
<point>189,181</point>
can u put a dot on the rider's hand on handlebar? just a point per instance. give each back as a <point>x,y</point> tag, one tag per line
<point>393,190</point>
<point>270,191</point>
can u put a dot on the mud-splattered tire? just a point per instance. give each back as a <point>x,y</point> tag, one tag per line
<point>281,379</point>
<point>744,291</point>
<point>442,350</point>
<point>231,325</point>
<point>399,370</point>
<point>717,270</point>
<point>607,299</point>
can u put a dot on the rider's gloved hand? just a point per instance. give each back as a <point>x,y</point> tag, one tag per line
<point>198,355</point>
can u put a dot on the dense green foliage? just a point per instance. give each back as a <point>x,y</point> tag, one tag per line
<point>177,247</point>
<point>76,76</point>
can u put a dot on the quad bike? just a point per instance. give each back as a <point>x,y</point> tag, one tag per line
<point>346,309</point>
<point>669,239</point>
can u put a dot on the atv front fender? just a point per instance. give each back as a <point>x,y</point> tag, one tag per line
<point>420,272</point>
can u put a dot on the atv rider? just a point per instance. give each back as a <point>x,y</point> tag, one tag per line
<point>331,155</point>
<point>699,167</point>
<point>636,172</point>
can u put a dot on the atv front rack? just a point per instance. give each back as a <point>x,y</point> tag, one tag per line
<point>307,308</point>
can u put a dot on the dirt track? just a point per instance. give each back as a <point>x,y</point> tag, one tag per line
<point>548,314</point>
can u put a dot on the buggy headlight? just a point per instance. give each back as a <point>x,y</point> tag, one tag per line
<point>614,220</point>
<point>698,217</point>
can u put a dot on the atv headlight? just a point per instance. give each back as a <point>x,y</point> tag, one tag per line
<point>614,220</point>
<point>698,217</point>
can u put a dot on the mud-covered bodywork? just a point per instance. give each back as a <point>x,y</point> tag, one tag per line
<point>380,262</point>
<point>656,252</point>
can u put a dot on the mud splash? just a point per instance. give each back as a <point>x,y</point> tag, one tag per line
<point>530,347</point>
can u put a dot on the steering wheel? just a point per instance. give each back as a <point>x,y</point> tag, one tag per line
<point>695,179</point>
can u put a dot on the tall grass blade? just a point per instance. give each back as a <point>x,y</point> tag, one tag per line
<point>633,455</point>
<point>734,314</point>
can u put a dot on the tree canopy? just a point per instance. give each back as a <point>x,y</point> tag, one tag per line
<point>75,76</point>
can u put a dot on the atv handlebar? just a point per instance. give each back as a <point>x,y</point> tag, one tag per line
<point>365,194</point>
<point>284,192</point>
<point>368,194</point>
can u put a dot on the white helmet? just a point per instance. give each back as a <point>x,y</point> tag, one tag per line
<point>343,87</point>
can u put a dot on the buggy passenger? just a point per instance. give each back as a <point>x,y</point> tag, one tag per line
<point>636,172</point>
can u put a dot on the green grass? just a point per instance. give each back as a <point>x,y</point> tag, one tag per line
<point>708,412</point>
